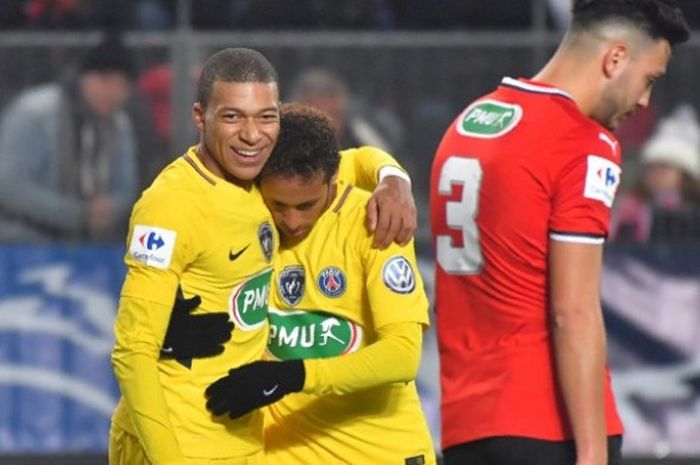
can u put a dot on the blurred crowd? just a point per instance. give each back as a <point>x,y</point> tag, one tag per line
<point>76,152</point>
<point>297,14</point>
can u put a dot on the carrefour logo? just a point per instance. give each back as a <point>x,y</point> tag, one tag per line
<point>152,246</point>
<point>151,241</point>
<point>608,176</point>
<point>602,179</point>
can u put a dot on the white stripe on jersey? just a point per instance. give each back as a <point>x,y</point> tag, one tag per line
<point>534,88</point>
<point>577,238</point>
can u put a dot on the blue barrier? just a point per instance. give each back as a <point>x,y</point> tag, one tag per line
<point>57,307</point>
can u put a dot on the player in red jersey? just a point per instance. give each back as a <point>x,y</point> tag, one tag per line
<point>521,190</point>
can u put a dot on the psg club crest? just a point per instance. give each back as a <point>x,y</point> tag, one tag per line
<point>267,240</point>
<point>291,284</point>
<point>332,281</point>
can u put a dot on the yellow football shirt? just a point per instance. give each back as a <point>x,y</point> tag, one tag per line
<point>215,240</point>
<point>330,293</point>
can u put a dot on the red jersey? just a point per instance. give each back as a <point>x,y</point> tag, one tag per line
<point>517,168</point>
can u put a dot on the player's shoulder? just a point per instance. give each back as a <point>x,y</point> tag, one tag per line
<point>176,185</point>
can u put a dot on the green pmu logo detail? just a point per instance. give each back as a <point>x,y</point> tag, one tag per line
<point>489,118</point>
<point>310,334</point>
<point>249,301</point>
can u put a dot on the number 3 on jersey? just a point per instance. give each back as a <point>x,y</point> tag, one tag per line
<point>461,215</point>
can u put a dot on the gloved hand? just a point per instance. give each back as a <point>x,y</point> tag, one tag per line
<point>195,336</point>
<point>255,385</point>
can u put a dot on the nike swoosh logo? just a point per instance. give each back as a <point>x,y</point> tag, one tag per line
<point>232,256</point>
<point>167,350</point>
<point>269,392</point>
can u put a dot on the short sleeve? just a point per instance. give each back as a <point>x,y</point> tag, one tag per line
<point>395,286</point>
<point>584,187</point>
<point>165,234</point>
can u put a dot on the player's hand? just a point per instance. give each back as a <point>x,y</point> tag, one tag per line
<point>195,336</point>
<point>391,212</point>
<point>255,385</point>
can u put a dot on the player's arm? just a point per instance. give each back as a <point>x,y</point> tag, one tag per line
<point>139,330</point>
<point>393,358</point>
<point>579,343</point>
<point>147,297</point>
<point>391,211</point>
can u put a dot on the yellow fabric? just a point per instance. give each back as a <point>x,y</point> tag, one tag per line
<point>163,401</point>
<point>360,166</point>
<point>376,425</point>
<point>393,358</point>
<point>125,449</point>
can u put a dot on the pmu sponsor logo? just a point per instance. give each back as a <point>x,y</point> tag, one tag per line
<point>152,246</point>
<point>249,301</point>
<point>602,179</point>
<point>489,119</point>
<point>303,334</point>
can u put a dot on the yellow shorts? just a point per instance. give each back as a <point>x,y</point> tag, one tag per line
<point>125,449</point>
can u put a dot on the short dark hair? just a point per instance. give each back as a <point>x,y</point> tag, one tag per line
<point>659,19</point>
<point>234,65</point>
<point>306,146</point>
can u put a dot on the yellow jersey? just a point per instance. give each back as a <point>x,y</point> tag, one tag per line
<point>213,239</point>
<point>330,293</point>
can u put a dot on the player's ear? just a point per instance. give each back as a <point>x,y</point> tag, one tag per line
<point>198,115</point>
<point>615,59</point>
<point>334,178</point>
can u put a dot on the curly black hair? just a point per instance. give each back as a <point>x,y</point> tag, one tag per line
<point>307,145</point>
<point>657,18</point>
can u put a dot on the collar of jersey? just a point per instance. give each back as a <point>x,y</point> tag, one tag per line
<point>534,87</point>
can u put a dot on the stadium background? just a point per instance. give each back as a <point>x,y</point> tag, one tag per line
<point>57,302</point>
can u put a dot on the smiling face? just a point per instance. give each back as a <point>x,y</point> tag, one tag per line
<point>296,203</point>
<point>238,128</point>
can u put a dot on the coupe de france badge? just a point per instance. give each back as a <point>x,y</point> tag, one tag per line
<point>398,275</point>
<point>291,284</point>
<point>267,240</point>
<point>332,281</point>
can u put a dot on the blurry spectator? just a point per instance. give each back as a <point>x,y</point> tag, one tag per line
<point>664,205</point>
<point>355,123</point>
<point>55,14</point>
<point>67,154</point>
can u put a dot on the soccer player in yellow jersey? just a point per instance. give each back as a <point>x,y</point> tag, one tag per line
<point>346,320</point>
<point>203,227</point>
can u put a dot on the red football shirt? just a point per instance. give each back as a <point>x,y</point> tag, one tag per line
<point>517,168</point>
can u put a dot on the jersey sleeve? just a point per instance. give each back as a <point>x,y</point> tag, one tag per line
<point>584,187</point>
<point>164,235</point>
<point>394,357</point>
<point>394,285</point>
<point>361,166</point>
<point>138,330</point>
<point>160,245</point>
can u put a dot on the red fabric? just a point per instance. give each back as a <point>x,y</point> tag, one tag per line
<point>493,326</point>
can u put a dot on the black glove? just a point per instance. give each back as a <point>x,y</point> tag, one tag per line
<point>195,336</point>
<point>253,386</point>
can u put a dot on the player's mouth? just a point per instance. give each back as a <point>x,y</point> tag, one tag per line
<point>247,153</point>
